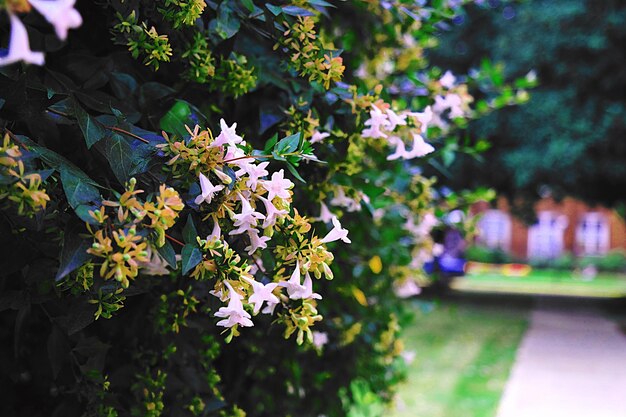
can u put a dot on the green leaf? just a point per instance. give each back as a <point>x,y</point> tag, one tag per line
<point>248,5</point>
<point>168,253</point>
<point>288,144</point>
<point>74,253</point>
<point>81,194</point>
<point>176,118</point>
<point>295,172</point>
<point>189,231</point>
<point>269,145</point>
<point>275,10</point>
<point>297,11</point>
<point>93,131</point>
<point>191,256</point>
<point>125,160</point>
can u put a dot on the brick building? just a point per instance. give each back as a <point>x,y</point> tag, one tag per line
<point>566,226</point>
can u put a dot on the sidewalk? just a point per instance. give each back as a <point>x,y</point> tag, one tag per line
<point>571,363</point>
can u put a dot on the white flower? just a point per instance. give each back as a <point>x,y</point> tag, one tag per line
<point>234,313</point>
<point>319,339</point>
<point>406,289</point>
<point>341,200</point>
<point>423,118</point>
<point>60,13</point>
<point>247,219</point>
<point>420,148</point>
<point>308,288</point>
<point>318,136</point>
<point>216,233</point>
<point>19,46</point>
<point>294,288</point>
<point>278,186</point>
<point>447,81</point>
<point>337,233</point>
<point>376,122</point>
<point>256,241</point>
<point>227,136</point>
<point>395,120</point>
<point>271,213</point>
<point>400,150</point>
<point>156,264</point>
<point>254,171</point>
<point>325,213</point>
<point>261,293</point>
<point>208,190</point>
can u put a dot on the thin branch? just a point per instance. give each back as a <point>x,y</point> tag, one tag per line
<point>174,240</point>
<point>125,132</point>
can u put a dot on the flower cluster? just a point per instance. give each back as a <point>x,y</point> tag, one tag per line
<point>247,207</point>
<point>451,100</point>
<point>121,240</point>
<point>397,128</point>
<point>60,13</point>
<point>17,184</point>
<point>308,54</point>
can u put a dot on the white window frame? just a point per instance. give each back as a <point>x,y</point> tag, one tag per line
<point>593,234</point>
<point>495,230</point>
<point>546,237</point>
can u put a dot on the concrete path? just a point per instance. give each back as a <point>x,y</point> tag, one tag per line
<point>571,363</point>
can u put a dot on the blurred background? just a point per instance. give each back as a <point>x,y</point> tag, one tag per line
<point>534,322</point>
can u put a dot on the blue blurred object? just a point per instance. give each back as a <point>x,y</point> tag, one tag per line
<point>446,264</point>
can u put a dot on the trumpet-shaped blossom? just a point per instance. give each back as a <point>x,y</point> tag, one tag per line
<point>308,288</point>
<point>272,214</point>
<point>423,118</point>
<point>319,339</point>
<point>337,233</point>
<point>227,136</point>
<point>325,213</point>
<point>216,233</point>
<point>318,136</point>
<point>294,288</point>
<point>400,150</point>
<point>395,120</point>
<point>377,122</point>
<point>256,241</point>
<point>420,148</point>
<point>19,46</point>
<point>261,293</point>
<point>233,314</point>
<point>247,219</point>
<point>447,80</point>
<point>254,171</point>
<point>208,190</point>
<point>60,13</point>
<point>278,186</point>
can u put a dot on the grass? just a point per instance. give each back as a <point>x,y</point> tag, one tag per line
<point>545,282</point>
<point>464,352</point>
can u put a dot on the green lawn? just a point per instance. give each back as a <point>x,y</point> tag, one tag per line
<point>547,282</point>
<point>464,352</point>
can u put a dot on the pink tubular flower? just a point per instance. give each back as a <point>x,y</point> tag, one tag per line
<point>19,46</point>
<point>337,233</point>
<point>278,186</point>
<point>61,13</point>
<point>208,190</point>
<point>234,313</point>
<point>261,293</point>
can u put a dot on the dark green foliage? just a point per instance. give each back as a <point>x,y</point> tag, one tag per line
<point>570,137</point>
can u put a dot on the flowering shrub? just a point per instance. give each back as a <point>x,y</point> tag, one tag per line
<point>174,267</point>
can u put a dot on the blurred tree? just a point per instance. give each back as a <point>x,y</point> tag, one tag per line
<point>570,138</point>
